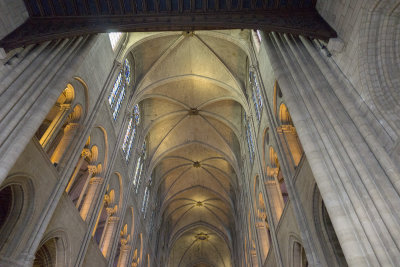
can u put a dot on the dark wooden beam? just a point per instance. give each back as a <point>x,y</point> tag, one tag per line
<point>51,4</point>
<point>134,8</point>
<point>75,6</point>
<point>298,22</point>
<point>64,8</point>
<point>122,6</point>
<point>40,6</point>
<point>28,7</point>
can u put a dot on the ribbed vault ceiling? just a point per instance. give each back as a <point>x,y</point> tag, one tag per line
<point>191,92</point>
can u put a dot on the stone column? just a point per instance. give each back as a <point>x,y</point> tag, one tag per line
<point>358,187</point>
<point>88,203</point>
<point>92,170</point>
<point>29,88</point>
<point>263,238</point>
<point>68,135</point>
<point>57,122</point>
<point>289,137</point>
<point>85,154</point>
<point>124,253</point>
<point>275,193</point>
<point>109,231</point>
<point>254,258</point>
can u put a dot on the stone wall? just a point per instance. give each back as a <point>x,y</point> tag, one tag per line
<point>12,14</point>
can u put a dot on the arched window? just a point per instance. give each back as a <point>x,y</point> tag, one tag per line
<point>250,142</point>
<point>139,168</point>
<point>51,253</point>
<point>256,93</point>
<point>145,200</point>
<point>118,91</point>
<point>299,256</point>
<point>131,132</point>
<point>114,38</point>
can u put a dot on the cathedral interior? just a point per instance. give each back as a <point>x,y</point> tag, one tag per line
<point>199,133</point>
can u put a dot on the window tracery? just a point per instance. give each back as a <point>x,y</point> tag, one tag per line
<point>118,91</point>
<point>145,200</point>
<point>249,138</point>
<point>139,168</point>
<point>130,134</point>
<point>256,94</point>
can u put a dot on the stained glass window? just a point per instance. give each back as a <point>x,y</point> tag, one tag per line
<point>115,90</point>
<point>256,94</point>
<point>114,38</point>
<point>139,168</point>
<point>118,91</point>
<point>250,142</point>
<point>145,199</point>
<point>136,114</point>
<point>139,178</point>
<point>127,71</point>
<point>130,133</point>
<point>119,102</point>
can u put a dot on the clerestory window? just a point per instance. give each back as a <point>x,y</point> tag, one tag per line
<point>250,142</point>
<point>256,94</point>
<point>130,134</point>
<point>118,91</point>
<point>139,168</point>
<point>114,39</point>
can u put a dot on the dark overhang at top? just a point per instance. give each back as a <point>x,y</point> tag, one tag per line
<point>53,19</point>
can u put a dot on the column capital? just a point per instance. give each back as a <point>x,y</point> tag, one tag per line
<point>272,171</point>
<point>70,127</point>
<point>286,128</point>
<point>96,180</point>
<point>92,168</point>
<point>112,219</point>
<point>86,153</point>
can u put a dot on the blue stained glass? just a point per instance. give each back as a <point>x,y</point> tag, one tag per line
<point>250,142</point>
<point>139,177</point>
<point>256,94</point>
<point>136,113</point>
<point>118,91</point>
<point>145,199</point>
<point>138,164</point>
<point>115,90</point>
<point>127,71</point>
<point>128,152</point>
<point>119,102</point>
<point>127,134</point>
<point>258,91</point>
<point>256,106</point>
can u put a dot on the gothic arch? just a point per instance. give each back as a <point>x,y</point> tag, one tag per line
<point>108,216</point>
<point>297,255</point>
<point>326,233</point>
<point>18,192</point>
<point>53,250</point>
<point>82,96</point>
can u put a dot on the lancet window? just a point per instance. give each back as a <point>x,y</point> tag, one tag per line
<point>131,132</point>
<point>139,168</point>
<point>256,94</point>
<point>118,91</point>
<point>250,142</point>
<point>145,200</point>
<point>114,38</point>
